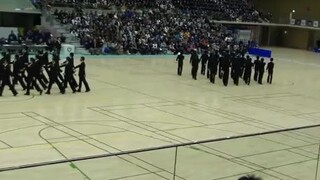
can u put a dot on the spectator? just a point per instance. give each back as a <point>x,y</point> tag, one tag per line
<point>12,37</point>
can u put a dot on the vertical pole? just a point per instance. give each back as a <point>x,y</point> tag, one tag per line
<point>175,163</point>
<point>316,176</point>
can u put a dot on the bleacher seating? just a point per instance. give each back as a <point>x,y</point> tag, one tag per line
<point>152,26</point>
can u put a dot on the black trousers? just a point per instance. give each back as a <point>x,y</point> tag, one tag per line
<point>203,69</point>
<point>241,72</point>
<point>44,78</point>
<point>255,76</point>
<point>71,80</point>
<point>247,77</point>
<point>68,79</point>
<point>7,82</point>
<point>260,77</point>
<point>33,81</point>
<point>179,71</point>
<point>60,77</point>
<point>56,81</point>
<point>16,78</point>
<point>236,78</point>
<point>225,78</point>
<point>39,78</point>
<point>270,76</point>
<point>212,75</point>
<point>194,72</point>
<point>82,79</point>
<point>232,72</point>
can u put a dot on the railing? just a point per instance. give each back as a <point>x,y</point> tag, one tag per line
<point>281,154</point>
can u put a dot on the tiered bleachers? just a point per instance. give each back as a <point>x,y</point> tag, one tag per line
<point>146,32</point>
<point>152,27</point>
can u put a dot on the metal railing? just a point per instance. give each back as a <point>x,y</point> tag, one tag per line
<point>176,148</point>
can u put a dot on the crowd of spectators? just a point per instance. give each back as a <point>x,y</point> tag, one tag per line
<point>34,36</point>
<point>149,31</point>
<point>152,27</point>
<point>233,10</point>
<point>101,4</point>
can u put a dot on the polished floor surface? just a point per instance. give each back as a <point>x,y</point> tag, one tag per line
<point>139,102</point>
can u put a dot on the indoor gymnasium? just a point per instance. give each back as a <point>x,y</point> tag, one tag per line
<point>229,113</point>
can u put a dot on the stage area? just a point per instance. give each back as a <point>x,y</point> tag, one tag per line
<point>139,102</point>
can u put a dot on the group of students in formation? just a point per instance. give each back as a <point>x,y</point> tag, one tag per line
<point>222,63</point>
<point>30,73</point>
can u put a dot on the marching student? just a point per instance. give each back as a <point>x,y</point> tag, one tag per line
<point>53,72</point>
<point>6,78</point>
<point>68,74</point>
<point>180,59</point>
<point>261,70</point>
<point>82,75</point>
<point>194,61</point>
<point>32,69</point>
<point>270,68</point>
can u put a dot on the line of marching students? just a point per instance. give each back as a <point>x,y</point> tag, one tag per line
<point>225,64</point>
<point>40,74</point>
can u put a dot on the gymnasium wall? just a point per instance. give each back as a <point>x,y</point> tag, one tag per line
<point>295,38</point>
<point>290,37</point>
<point>305,9</point>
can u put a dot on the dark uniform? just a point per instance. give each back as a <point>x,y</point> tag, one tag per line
<point>6,79</point>
<point>248,70</point>
<point>73,80</point>
<point>242,63</point>
<point>43,60</point>
<point>17,72</point>
<point>53,77</point>
<point>82,75</point>
<point>261,71</point>
<point>31,78</point>
<point>270,71</point>
<point>38,73</point>
<point>204,59</point>
<point>236,68</point>
<point>55,57</point>
<point>213,66</point>
<point>220,66</point>
<point>225,66</point>
<point>256,68</point>
<point>194,60</point>
<point>68,75</point>
<point>180,59</point>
